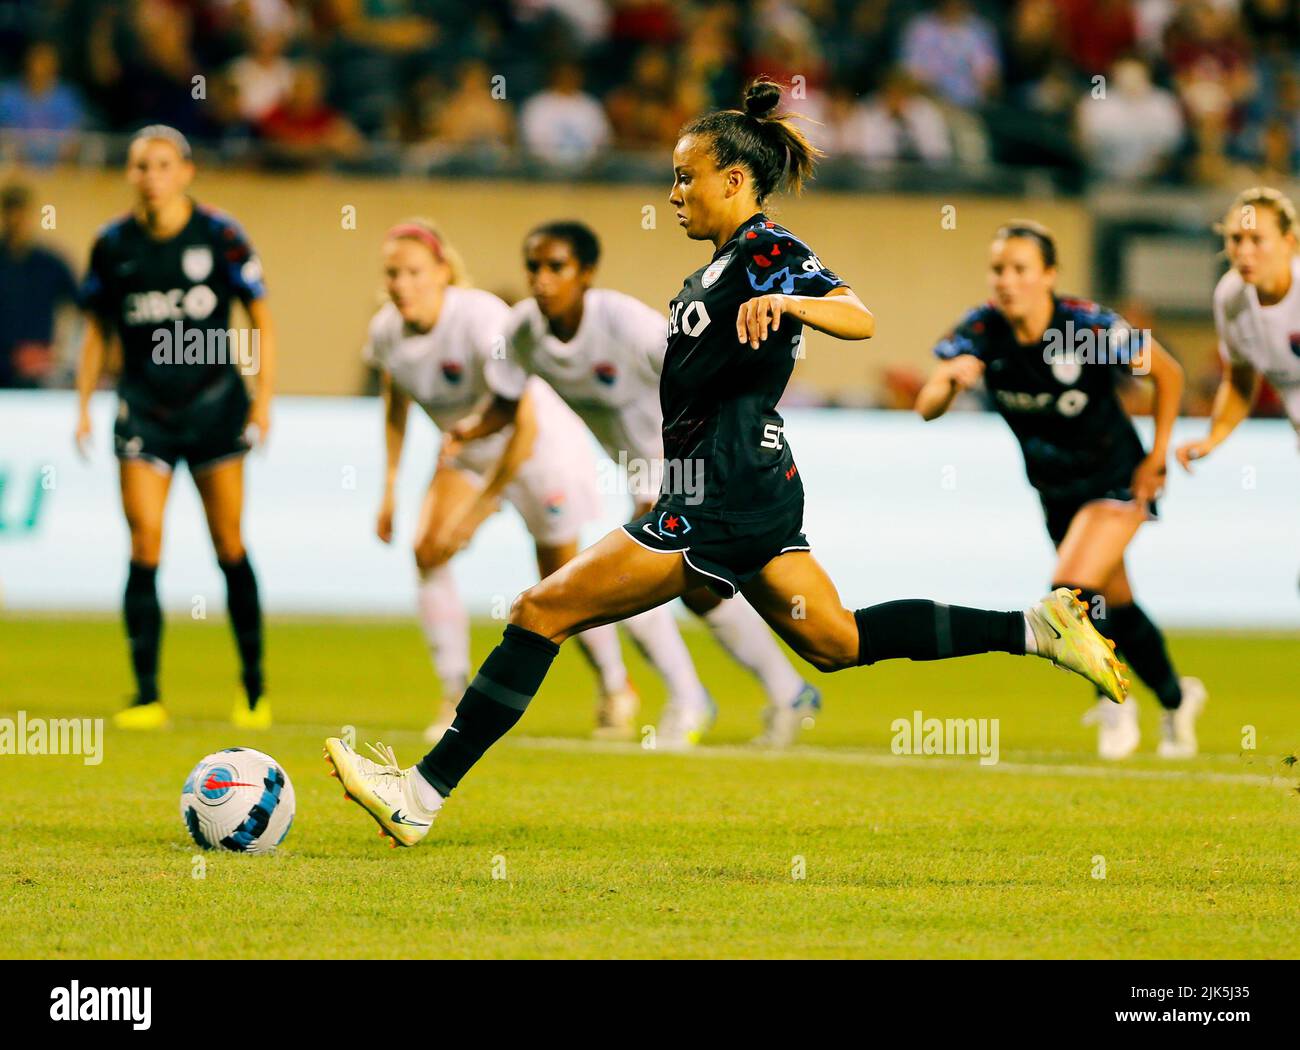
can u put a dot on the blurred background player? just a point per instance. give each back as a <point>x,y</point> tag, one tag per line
<point>433,342</point>
<point>1256,314</point>
<point>602,352</point>
<point>1051,364</point>
<point>162,279</point>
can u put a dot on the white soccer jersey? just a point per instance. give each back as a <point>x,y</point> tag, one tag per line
<point>1265,337</point>
<point>608,372</point>
<point>443,370</point>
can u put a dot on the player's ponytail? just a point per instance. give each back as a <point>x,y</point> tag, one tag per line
<point>427,234</point>
<point>775,151</point>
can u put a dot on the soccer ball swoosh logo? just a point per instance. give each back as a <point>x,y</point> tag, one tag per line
<point>213,784</point>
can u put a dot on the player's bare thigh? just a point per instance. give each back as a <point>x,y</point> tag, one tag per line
<point>221,488</point>
<point>799,601</point>
<point>1094,545</point>
<point>609,581</point>
<point>144,501</point>
<point>551,557</point>
<point>450,493</point>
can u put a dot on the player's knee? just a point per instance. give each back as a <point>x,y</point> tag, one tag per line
<point>833,651</point>
<point>146,543</point>
<point>229,548</point>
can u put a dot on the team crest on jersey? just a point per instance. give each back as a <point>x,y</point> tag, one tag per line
<point>1067,369</point>
<point>196,262</point>
<point>674,525</point>
<point>606,373</point>
<point>453,371</point>
<point>715,269</point>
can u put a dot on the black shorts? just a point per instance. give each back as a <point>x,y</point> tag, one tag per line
<point>208,430</point>
<point>1059,513</point>
<point>728,554</point>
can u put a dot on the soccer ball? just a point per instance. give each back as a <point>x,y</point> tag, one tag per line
<point>238,799</point>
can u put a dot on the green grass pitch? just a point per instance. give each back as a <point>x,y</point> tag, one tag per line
<point>554,846</point>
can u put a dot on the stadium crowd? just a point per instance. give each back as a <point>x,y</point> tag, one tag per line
<point>1174,90</point>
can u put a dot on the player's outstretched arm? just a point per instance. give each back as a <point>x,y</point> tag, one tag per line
<point>1232,403</point>
<point>396,405</point>
<point>259,415</point>
<point>949,379</point>
<point>1167,375</point>
<point>839,313</point>
<point>89,366</point>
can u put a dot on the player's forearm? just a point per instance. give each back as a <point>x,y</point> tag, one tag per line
<point>844,316</point>
<point>1167,375</point>
<point>498,414</point>
<point>513,457</point>
<point>91,363</point>
<point>395,407</point>
<point>1231,406</point>
<point>260,315</point>
<point>936,397</point>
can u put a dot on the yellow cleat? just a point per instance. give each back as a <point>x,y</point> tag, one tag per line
<point>142,716</point>
<point>244,717</point>
<point>1065,635</point>
<point>383,789</point>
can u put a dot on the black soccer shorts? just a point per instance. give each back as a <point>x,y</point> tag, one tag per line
<point>204,433</point>
<point>728,554</point>
<point>1059,513</point>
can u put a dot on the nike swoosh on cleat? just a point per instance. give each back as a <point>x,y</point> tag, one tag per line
<point>398,818</point>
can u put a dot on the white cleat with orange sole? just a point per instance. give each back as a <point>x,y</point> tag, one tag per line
<point>1178,727</point>
<point>383,789</point>
<point>1065,634</point>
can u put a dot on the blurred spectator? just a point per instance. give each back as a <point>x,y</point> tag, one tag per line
<point>41,107</point>
<point>1133,130</point>
<point>36,290</point>
<point>1098,32</point>
<point>471,115</point>
<point>647,111</point>
<point>1031,46</point>
<point>564,125</point>
<point>953,52</point>
<point>304,131</point>
<point>897,123</point>
<point>263,77</point>
<point>785,46</point>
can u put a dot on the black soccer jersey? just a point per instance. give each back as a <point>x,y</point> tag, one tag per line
<point>721,426</point>
<point>169,301</point>
<point>1059,395</point>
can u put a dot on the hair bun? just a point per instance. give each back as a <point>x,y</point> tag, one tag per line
<point>761,98</point>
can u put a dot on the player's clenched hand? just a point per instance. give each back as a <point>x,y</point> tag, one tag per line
<point>965,371</point>
<point>1148,479</point>
<point>1193,450</point>
<point>259,420</point>
<point>759,316</point>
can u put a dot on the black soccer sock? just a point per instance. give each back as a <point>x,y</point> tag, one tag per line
<point>917,629</point>
<point>246,622</point>
<point>1143,648</point>
<point>143,617</point>
<point>493,703</point>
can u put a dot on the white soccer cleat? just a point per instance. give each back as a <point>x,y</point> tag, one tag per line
<point>782,722</point>
<point>1065,635</point>
<point>382,789</point>
<point>1178,727</point>
<point>437,729</point>
<point>1118,734</point>
<point>681,727</point>
<point>616,714</point>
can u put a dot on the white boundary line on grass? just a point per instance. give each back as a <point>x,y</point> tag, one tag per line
<point>858,757</point>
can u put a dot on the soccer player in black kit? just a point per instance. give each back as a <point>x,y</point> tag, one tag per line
<point>733,338</point>
<point>162,279</point>
<point>1051,364</point>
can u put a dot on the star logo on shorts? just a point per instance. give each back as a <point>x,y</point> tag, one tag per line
<point>673,524</point>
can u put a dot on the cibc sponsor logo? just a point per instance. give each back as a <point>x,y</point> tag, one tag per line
<point>75,1003</point>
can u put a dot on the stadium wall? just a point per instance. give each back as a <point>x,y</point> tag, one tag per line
<point>917,264</point>
<point>896,508</point>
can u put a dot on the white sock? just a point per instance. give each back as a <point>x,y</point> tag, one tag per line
<point>425,793</point>
<point>601,648</point>
<point>656,633</point>
<point>446,630</point>
<point>1031,643</point>
<point>742,632</point>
